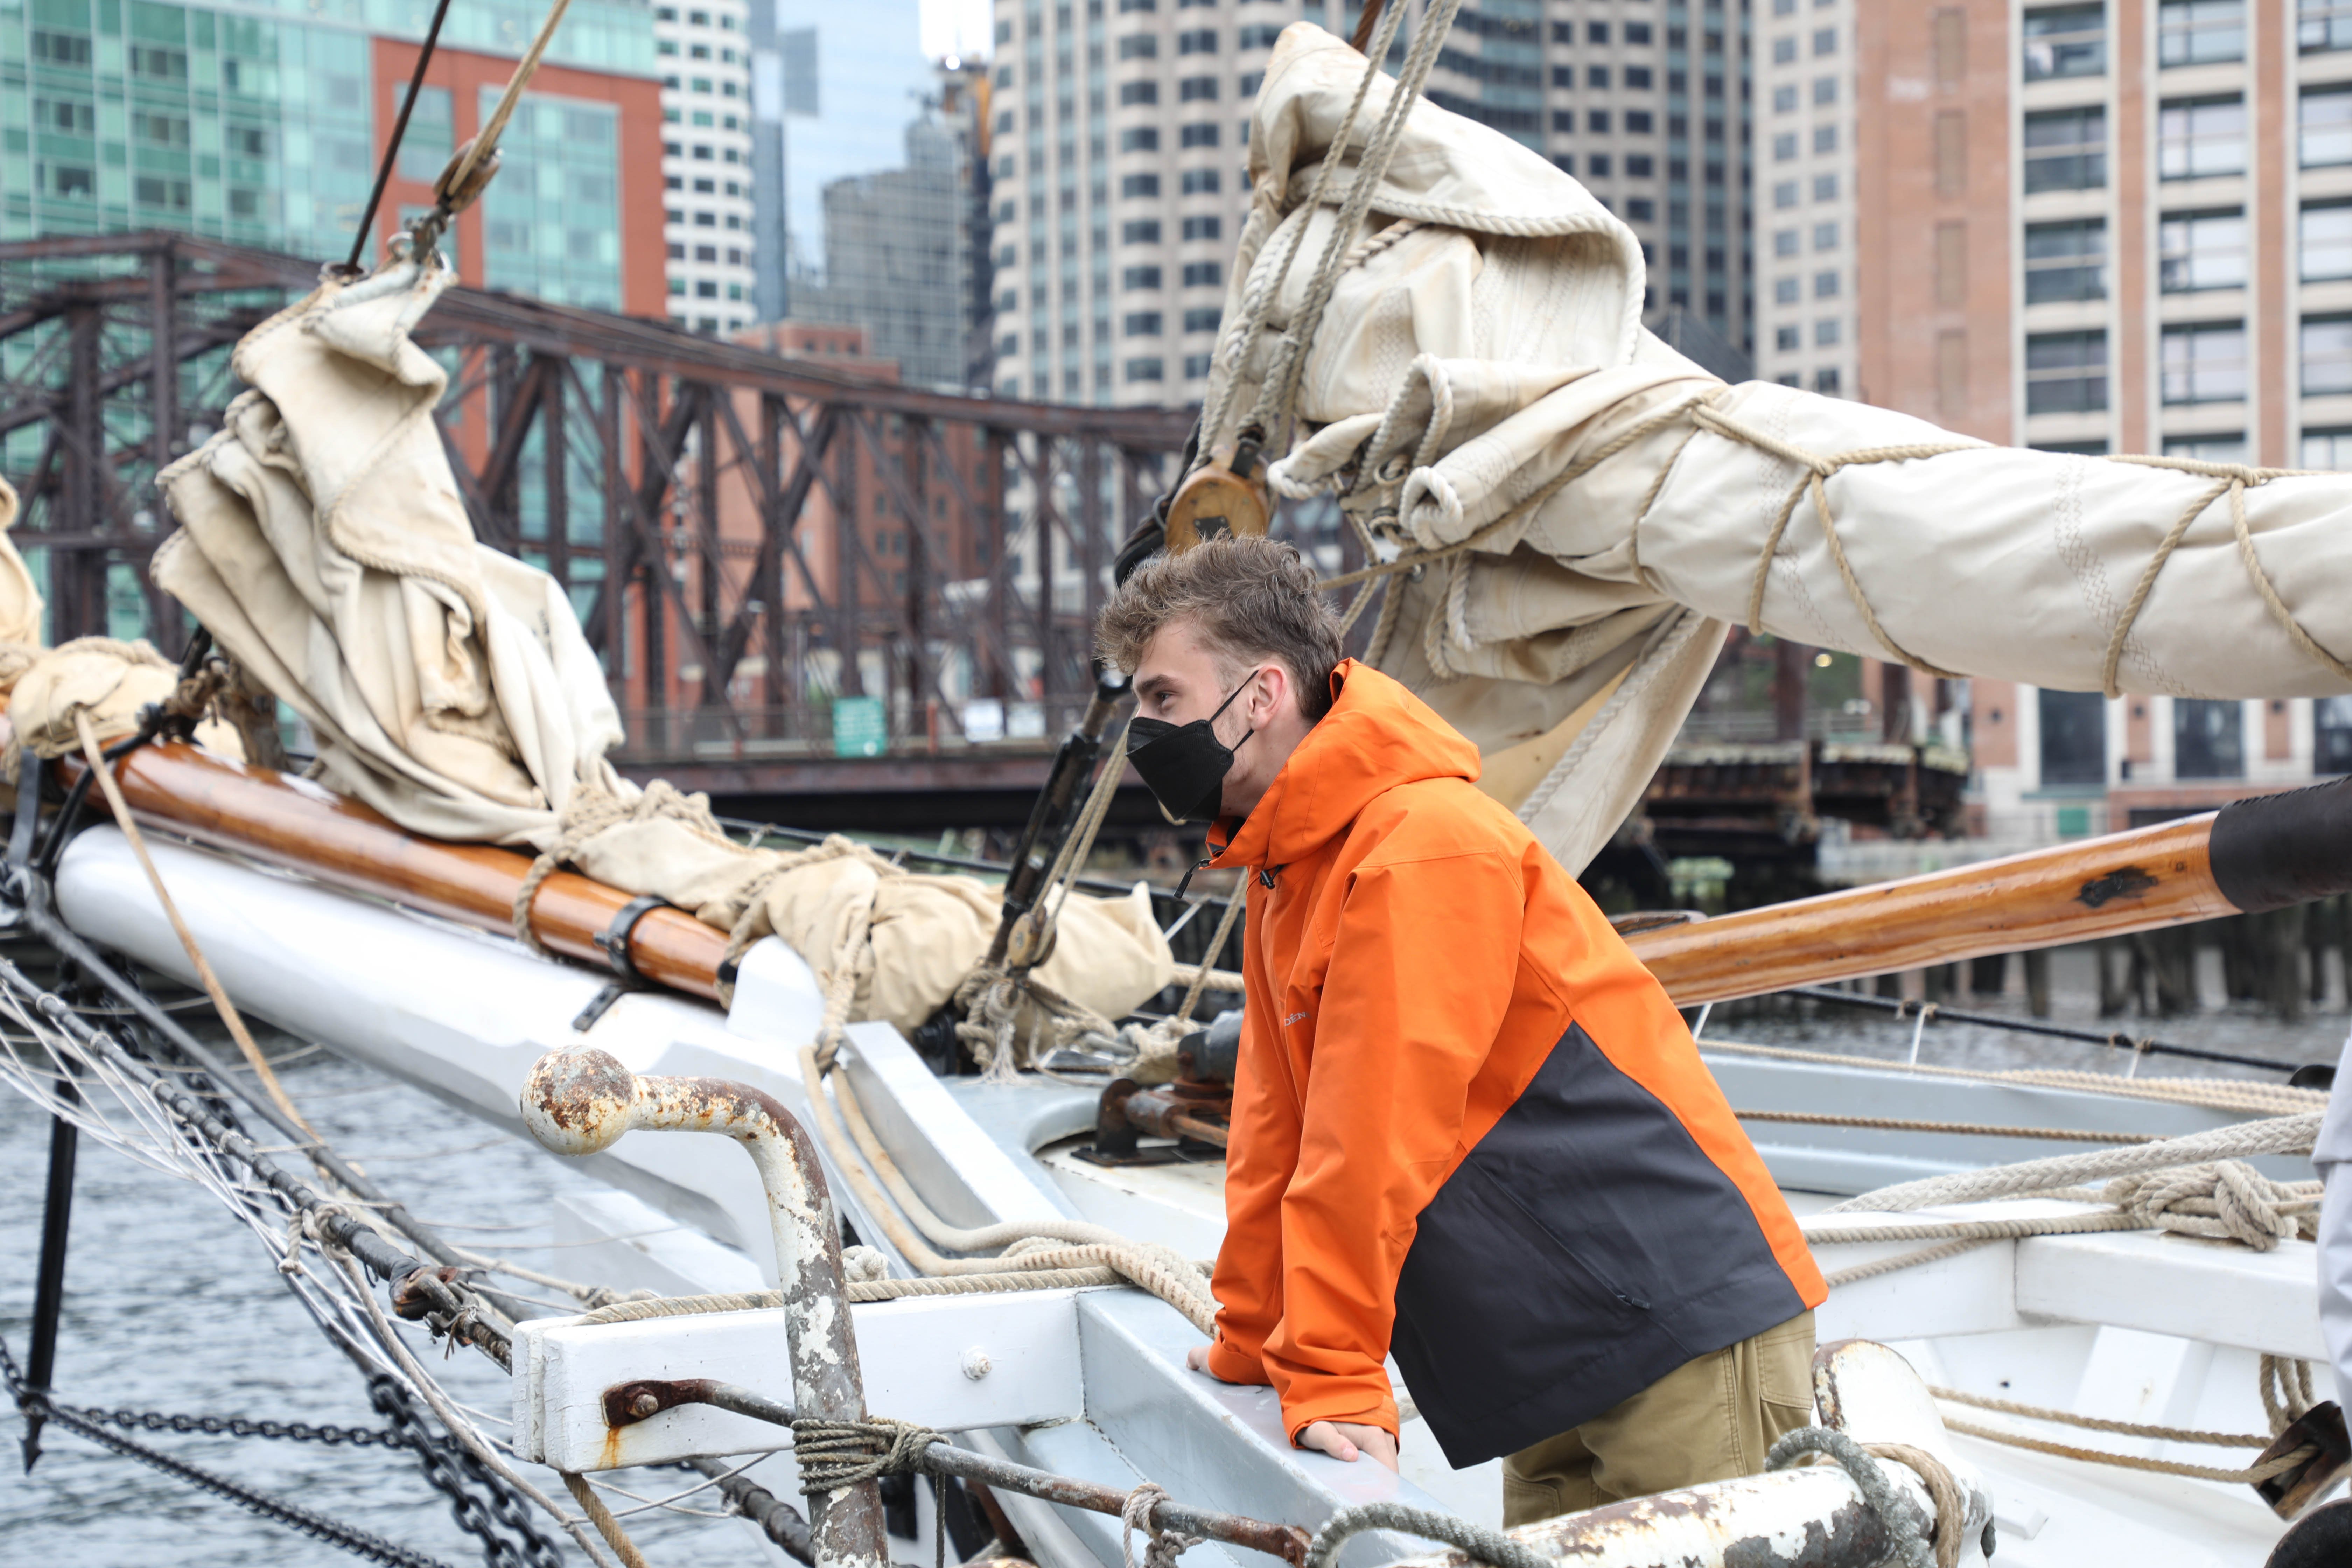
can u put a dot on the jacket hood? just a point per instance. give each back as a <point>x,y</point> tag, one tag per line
<point>1377,736</point>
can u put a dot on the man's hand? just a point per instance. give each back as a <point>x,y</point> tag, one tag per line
<point>1347,1439</point>
<point>1197,1358</point>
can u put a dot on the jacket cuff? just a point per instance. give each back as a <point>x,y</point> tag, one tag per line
<point>1230,1364</point>
<point>1340,1405</point>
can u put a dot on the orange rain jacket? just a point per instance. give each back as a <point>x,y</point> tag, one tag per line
<point>1468,1126</point>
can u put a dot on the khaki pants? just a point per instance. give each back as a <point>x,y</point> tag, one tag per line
<point>1710,1419</point>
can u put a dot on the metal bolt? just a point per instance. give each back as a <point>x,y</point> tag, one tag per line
<point>975,1364</point>
<point>646,1402</point>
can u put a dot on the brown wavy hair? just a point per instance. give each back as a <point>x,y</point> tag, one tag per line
<point>1249,599</point>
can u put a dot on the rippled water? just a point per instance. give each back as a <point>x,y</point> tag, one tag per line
<point>173,1306</point>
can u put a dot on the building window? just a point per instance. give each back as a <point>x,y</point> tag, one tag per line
<point>1788,340</point>
<point>1144,231</point>
<point>2065,261</point>
<point>1639,122</point>
<point>1145,370</point>
<point>1784,100</point>
<point>2066,149</point>
<point>2066,373</point>
<point>1199,182</point>
<point>2198,137</point>
<point>1825,285</point>
<point>2202,250</point>
<point>1825,138</point>
<point>2065,40</point>
<point>2205,363</point>
<point>2207,449</point>
<point>1784,193</point>
<point>2201,32</point>
<point>2327,356</point>
<point>2327,449</point>
<point>1204,135</point>
<point>1140,47</point>
<point>2074,738</point>
<point>1131,92</point>
<point>1784,147</point>
<point>1597,76</point>
<point>1596,165</point>
<point>2331,732</point>
<point>1825,188</point>
<point>1140,138</point>
<point>1203,274</point>
<point>1784,291</point>
<point>1597,121</point>
<point>1195,366</point>
<point>2208,739</point>
<point>1639,210</point>
<point>1825,92</point>
<point>2325,127</point>
<point>1139,186</point>
<point>1202,320</point>
<point>1824,41</point>
<point>1200,41</point>
<point>1197,89</point>
<point>1784,51</point>
<point>2326,241</point>
<point>1204,228</point>
<point>1638,79</point>
<point>2323,24</point>
<point>1139,278</point>
<point>1263,35</point>
<point>1142,324</point>
<point>1826,334</point>
<point>1825,381</point>
<point>1784,242</point>
<point>1825,236</point>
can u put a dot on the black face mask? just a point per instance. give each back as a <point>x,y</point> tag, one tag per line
<point>1185,765</point>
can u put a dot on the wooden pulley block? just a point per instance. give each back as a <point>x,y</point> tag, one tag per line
<point>454,197</point>
<point>1226,496</point>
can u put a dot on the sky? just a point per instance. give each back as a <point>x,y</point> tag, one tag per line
<point>957,27</point>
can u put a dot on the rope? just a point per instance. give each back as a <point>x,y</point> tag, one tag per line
<point>592,811</point>
<point>1161,1547</point>
<point>1635,683</point>
<point>601,1518</point>
<point>94,756</point>
<point>2293,1398</point>
<point>861,1291</point>
<point>1912,1543</point>
<point>399,133</point>
<point>1483,1546</point>
<point>2226,1200</point>
<point>2253,1475</point>
<point>836,1455</point>
<point>1969,1129</point>
<point>2101,1423</point>
<point>2278,1135</point>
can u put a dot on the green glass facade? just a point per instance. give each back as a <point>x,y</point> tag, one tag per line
<point>255,123</point>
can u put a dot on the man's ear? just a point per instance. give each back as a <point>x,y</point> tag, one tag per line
<point>1275,682</point>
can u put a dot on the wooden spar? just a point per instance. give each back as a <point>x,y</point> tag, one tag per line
<point>2252,855</point>
<point>288,822</point>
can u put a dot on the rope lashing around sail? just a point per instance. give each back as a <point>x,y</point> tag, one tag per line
<point>1937,1545</point>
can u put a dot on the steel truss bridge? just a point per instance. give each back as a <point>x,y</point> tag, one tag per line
<point>747,537</point>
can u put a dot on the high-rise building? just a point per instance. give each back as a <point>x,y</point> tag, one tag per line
<point>2108,229</point>
<point>833,91</point>
<point>1117,148</point>
<point>707,163</point>
<point>897,258</point>
<point>1648,105</point>
<point>252,124</point>
<point>1119,138</point>
<point>1803,146</point>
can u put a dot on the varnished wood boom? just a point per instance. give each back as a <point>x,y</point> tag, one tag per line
<point>2252,855</point>
<point>287,822</point>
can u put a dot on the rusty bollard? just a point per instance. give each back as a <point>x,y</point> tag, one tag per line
<point>579,1101</point>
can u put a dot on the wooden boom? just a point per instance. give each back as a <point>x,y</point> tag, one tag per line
<point>2264,853</point>
<point>268,816</point>
<point>2252,855</point>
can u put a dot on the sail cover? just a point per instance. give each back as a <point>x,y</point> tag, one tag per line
<point>1584,513</point>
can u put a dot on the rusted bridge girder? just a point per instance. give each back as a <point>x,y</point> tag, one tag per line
<point>746,536</point>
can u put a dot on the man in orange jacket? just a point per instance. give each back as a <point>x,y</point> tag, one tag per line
<point>1469,1129</point>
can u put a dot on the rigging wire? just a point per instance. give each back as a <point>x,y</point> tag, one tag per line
<point>399,130</point>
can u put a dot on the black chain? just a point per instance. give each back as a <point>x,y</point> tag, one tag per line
<point>351,1538</point>
<point>239,1427</point>
<point>459,1474</point>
